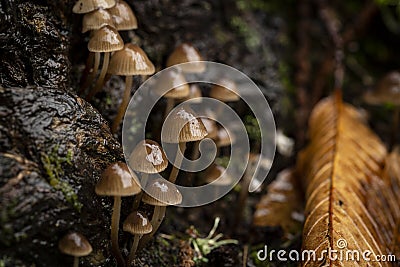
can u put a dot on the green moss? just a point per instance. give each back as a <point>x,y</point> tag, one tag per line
<point>252,128</point>
<point>250,36</point>
<point>52,164</point>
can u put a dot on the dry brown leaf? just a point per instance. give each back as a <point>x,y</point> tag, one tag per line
<point>282,205</point>
<point>349,207</point>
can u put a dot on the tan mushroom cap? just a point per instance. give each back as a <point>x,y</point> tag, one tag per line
<point>187,53</point>
<point>195,94</point>
<point>117,180</point>
<point>86,6</point>
<point>131,60</point>
<point>183,126</point>
<point>172,78</point>
<point>105,39</point>
<point>387,91</point>
<point>219,91</point>
<point>148,157</point>
<point>137,223</point>
<point>217,174</point>
<point>96,20</point>
<point>223,138</point>
<point>211,127</point>
<point>74,244</point>
<point>123,16</point>
<point>164,193</point>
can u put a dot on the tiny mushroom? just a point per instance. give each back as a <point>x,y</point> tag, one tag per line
<point>123,16</point>
<point>387,92</point>
<point>147,157</point>
<point>104,40</point>
<point>185,53</point>
<point>195,94</point>
<point>225,90</point>
<point>217,175</point>
<point>96,20</point>
<point>117,181</point>
<point>86,6</point>
<point>171,79</point>
<point>75,244</point>
<point>160,194</point>
<point>129,61</point>
<point>181,127</point>
<point>137,224</point>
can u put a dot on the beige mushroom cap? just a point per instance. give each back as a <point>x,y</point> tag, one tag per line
<point>195,94</point>
<point>183,126</point>
<point>387,90</point>
<point>148,157</point>
<point>96,20</point>
<point>105,39</point>
<point>131,60</point>
<point>221,92</point>
<point>217,174</point>
<point>137,223</point>
<point>86,6</point>
<point>75,244</point>
<point>164,193</point>
<point>211,127</point>
<point>123,16</point>
<point>172,78</point>
<point>117,180</point>
<point>187,53</point>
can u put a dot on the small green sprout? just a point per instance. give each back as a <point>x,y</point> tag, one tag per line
<point>203,246</point>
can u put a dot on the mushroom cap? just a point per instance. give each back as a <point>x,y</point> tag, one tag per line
<point>387,90</point>
<point>148,157</point>
<point>137,223</point>
<point>218,174</point>
<point>96,20</point>
<point>164,193</point>
<point>183,126</point>
<point>172,78</point>
<point>86,6</point>
<point>195,94</point>
<point>117,180</point>
<point>187,53</point>
<point>223,138</point>
<point>105,39</point>
<point>123,16</point>
<point>221,92</point>
<point>75,244</point>
<point>131,60</point>
<point>211,127</point>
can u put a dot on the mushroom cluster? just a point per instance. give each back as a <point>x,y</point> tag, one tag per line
<point>104,19</point>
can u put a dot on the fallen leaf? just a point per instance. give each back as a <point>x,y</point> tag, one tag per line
<point>350,205</point>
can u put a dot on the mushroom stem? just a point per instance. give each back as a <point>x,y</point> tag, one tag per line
<point>76,261</point>
<point>89,74</point>
<point>242,199</point>
<point>99,83</point>
<point>156,220</point>
<point>138,197</point>
<point>395,126</point>
<point>134,247</point>
<point>124,104</point>
<point>195,156</point>
<point>177,162</point>
<point>114,231</point>
<point>169,106</point>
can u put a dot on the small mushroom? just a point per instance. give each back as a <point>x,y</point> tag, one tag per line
<point>172,78</point>
<point>387,92</point>
<point>129,61</point>
<point>123,16</point>
<point>117,181</point>
<point>75,244</point>
<point>187,53</point>
<point>86,6</point>
<point>195,94</point>
<point>221,92</point>
<point>104,40</point>
<point>96,20</point>
<point>137,224</point>
<point>181,127</point>
<point>159,194</point>
<point>217,175</point>
<point>147,157</point>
